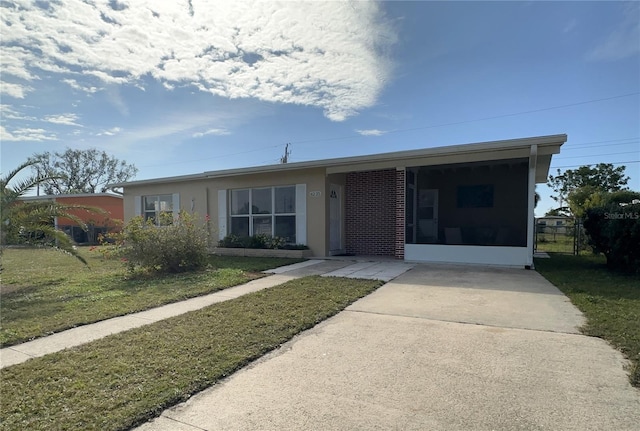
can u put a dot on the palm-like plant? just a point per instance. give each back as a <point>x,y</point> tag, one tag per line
<point>32,222</point>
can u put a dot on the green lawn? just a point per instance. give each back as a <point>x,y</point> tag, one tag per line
<point>45,291</point>
<point>610,301</point>
<point>558,243</point>
<point>123,380</point>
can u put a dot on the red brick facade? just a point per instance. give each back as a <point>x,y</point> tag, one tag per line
<point>371,214</point>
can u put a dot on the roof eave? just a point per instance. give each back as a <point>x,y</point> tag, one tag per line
<point>490,147</point>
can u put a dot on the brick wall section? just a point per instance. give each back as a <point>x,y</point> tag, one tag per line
<point>370,213</point>
<point>400,214</point>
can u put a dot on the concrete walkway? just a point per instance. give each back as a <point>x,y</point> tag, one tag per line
<point>84,334</point>
<point>438,348</point>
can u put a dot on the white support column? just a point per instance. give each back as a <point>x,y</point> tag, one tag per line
<point>222,213</point>
<point>531,198</point>
<point>301,213</point>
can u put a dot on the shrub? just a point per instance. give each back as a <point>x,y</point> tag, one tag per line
<point>261,241</point>
<point>178,245</point>
<point>613,229</point>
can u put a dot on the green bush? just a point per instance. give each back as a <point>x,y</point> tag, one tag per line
<point>261,241</point>
<point>613,229</point>
<point>177,245</point>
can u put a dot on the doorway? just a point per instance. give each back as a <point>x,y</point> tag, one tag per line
<point>335,219</point>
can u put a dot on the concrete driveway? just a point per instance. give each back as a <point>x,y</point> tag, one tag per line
<point>438,348</point>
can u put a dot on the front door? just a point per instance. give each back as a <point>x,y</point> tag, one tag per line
<point>335,219</point>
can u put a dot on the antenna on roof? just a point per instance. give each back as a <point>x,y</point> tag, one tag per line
<point>287,153</point>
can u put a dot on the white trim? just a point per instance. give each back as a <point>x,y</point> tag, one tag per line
<point>489,150</point>
<point>72,195</point>
<point>468,254</point>
<point>137,205</point>
<point>175,203</point>
<point>222,213</point>
<point>531,203</point>
<point>301,214</point>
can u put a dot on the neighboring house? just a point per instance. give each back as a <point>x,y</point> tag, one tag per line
<point>97,223</point>
<point>553,224</point>
<point>469,203</point>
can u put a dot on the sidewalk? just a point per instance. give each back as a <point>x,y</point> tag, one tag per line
<point>83,334</point>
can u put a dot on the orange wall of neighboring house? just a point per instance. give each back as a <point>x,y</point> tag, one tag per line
<point>112,204</point>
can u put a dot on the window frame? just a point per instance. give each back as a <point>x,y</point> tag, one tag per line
<point>145,214</point>
<point>273,215</point>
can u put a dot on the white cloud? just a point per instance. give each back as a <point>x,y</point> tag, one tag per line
<point>371,132</point>
<point>110,132</point>
<point>14,90</point>
<point>64,119</point>
<point>329,54</point>
<point>76,86</point>
<point>218,132</point>
<point>9,113</point>
<point>622,42</point>
<point>26,134</point>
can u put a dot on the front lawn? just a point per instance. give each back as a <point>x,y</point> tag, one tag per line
<point>609,300</point>
<point>45,291</point>
<point>125,379</point>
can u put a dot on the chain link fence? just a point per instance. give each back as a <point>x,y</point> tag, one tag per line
<point>560,235</point>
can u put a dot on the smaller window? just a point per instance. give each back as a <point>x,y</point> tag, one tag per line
<point>158,208</point>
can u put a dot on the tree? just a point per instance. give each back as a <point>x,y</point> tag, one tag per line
<point>574,187</point>
<point>80,171</point>
<point>613,228</point>
<point>32,222</point>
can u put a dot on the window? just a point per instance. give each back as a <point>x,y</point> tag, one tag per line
<point>476,196</point>
<point>267,211</point>
<point>158,208</point>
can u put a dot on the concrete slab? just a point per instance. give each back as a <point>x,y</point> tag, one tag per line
<point>293,266</point>
<point>504,297</point>
<point>371,371</point>
<point>384,270</point>
<point>321,268</point>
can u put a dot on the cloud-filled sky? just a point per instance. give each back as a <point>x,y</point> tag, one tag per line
<point>183,87</point>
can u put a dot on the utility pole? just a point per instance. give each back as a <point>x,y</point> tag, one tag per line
<point>287,153</point>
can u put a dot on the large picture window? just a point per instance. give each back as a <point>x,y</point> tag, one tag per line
<point>267,210</point>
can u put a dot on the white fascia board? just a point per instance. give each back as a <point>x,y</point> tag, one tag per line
<point>386,159</point>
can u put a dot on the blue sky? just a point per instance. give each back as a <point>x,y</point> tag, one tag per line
<point>184,87</point>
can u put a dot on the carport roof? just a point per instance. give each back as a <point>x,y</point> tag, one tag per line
<point>481,151</point>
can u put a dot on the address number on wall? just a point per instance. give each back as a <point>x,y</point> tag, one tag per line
<point>315,194</point>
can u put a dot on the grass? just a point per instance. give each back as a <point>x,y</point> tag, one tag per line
<point>125,379</point>
<point>558,243</point>
<point>45,291</point>
<point>610,301</point>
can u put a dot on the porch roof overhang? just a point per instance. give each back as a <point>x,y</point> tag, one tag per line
<point>476,152</point>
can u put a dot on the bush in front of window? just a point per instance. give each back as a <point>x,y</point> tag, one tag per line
<point>260,241</point>
<point>179,244</point>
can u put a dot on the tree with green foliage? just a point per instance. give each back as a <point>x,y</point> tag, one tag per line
<point>612,223</point>
<point>31,222</point>
<point>80,171</point>
<point>574,187</point>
